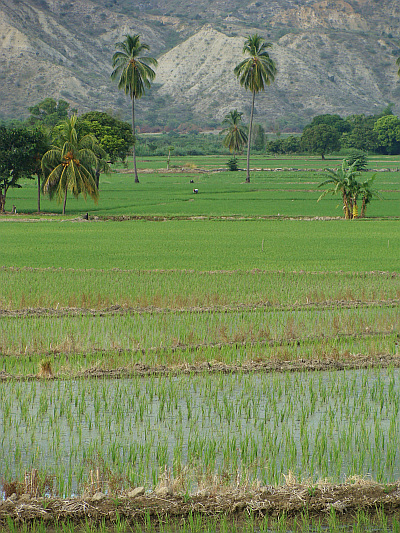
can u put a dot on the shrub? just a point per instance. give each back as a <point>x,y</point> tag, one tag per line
<point>360,158</point>
<point>232,164</point>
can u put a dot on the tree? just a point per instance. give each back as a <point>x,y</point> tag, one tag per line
<point>112,134</point>
<point>254,73</point>
<point>367,193</point>
<point>361,137</point>
<point>49,112</point>
<point>71,163</point>
<point>359,158</point>
<point>20,150</point>
<point>235,133</point>
<point>344,182</point>
<point>320,139</point>
<point>388,131</point>
<point>134,73</point>
<point>336,121</point>
<point>258,138</point>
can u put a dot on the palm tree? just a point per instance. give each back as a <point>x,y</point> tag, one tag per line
<point>235,134</point>
<point>70,164</point>
<point>367,194</point>
<point>343,182</point>
<point>134,74</point>
<point>398,64</point>
<point>254,73</point>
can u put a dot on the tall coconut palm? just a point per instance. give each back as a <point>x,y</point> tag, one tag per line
<point>134,73</point>
<point>235,133</point>
<point>70,164</point>
<point>254,73</point>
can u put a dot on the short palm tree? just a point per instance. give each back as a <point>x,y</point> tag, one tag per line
<point>134,73</point>
<point>235,133</point>
<point>70,164</point>
<point>367,193</point>
<point>343,181</point>
<point>254,73</point>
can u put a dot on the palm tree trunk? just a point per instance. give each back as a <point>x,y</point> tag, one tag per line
<point>38,192</point>
<point>249,138</point>
<point>134,148</point>
<point>363,207</point>
<point>65,200</point>
<point>346,207</point>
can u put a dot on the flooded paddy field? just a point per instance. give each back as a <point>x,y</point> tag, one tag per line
<point>256,427</point>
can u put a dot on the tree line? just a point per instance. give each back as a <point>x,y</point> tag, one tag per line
<point>330,133</point>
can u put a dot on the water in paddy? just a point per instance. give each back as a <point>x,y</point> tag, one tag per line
<point>316,424</point>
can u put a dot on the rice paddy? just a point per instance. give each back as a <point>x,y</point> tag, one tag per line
<point>256,359</point>
<point>338,425</point>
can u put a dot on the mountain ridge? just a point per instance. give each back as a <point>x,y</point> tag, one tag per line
<point>333,56</point>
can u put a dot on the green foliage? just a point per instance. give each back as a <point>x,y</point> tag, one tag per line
<point>388,131</point>
<point>71,163</point>
<point>112,134</point>
<point>320,139</point>
<point>235,134</point>
<point>133,72</point>
<point>335,121</point>
<point>288,145</point>
<point>344,182</point>
<point>21,150</point>
<point>258,138</point>
<point>359,159</point>
<point>232,164</point>
<point>201,144</point>
<point>49,112</point>
<point>361,137</point>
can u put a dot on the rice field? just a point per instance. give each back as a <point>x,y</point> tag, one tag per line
<point>279,186</point>
<point>217,327</point>
<point>255,427</point>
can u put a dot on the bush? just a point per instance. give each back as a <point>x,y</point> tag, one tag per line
<point>232,164</point>
<point>360,157</point>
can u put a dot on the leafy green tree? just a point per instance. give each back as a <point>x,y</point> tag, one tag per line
<point>49,112</point>
<point>291,145</point>
<point>112,134</point>
<point>320,139</point>
<point>254,73</point>
<point>71,163</point>
<point>235,133</point>
<point>275,147</point>
<point>388,131</point>
<point>361,137</point>
<point>20,151</point>
<point>134,74</point>
<point>336,121</point>
<point>258,137</point>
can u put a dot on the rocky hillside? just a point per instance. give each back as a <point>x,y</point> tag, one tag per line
<point>333,56</point>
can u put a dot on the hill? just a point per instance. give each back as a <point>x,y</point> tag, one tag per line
<point>332,57</point>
